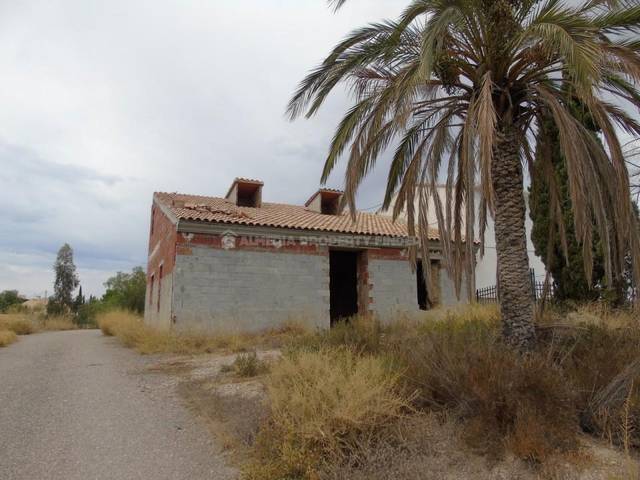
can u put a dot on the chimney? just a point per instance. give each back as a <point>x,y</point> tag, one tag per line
<point>326,201</point>
<point>245,192</point>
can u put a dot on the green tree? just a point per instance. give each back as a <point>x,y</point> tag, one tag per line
<point>66,281</point>
<point>461,89</point>
<point>79,300</point>
<point>127,290</point>
<point>9,298</point>
<point>557,243</point>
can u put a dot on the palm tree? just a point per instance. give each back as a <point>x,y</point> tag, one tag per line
<point>632,152</point>
<point>460,89</point>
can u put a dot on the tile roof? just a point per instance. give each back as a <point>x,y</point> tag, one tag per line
<point>278,215</point>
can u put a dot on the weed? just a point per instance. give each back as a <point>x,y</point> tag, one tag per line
<point>134,333</point>
<point>361,333</point>
<point>19,324</point>
<point>7,337</point>
<point>56,323</point>
<point>324,405</point>
<point>249,365</point>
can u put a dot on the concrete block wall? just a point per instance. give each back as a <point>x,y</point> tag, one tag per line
<point>393,287</point>
<point>448,291</point>
<point>247,290</point>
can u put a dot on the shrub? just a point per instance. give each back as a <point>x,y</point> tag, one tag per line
<point>360,333</point>
<point>249,365</point>
<point>87,313</point>
<point>57,323</point>
<point>599,358</point>
<point>324,404</point>
<point>505,399</point>
<point>7,337</point>
<point>19,324</point>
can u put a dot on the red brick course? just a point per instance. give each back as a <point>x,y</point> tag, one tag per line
<point>162,245</point>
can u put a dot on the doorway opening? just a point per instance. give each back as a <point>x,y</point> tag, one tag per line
<point>343,285</point>
<point>423,298</point>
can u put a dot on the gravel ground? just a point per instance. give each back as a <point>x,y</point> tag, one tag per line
<point>76,405</point>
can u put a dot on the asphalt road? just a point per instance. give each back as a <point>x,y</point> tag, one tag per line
<point>76,405</point>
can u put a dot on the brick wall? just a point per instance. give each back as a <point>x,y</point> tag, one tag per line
<point>160,265</point>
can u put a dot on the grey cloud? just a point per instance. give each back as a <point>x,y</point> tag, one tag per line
<point>23,165</point>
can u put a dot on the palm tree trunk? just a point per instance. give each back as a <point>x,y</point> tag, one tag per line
<point>516,303</point>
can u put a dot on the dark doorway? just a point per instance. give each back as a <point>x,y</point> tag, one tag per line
<point>343,284</point>
<point>423,300</point>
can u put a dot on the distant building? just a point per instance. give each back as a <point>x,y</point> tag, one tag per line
<point>238,263</point>
<point>486,267</point>
<point>35,304</point>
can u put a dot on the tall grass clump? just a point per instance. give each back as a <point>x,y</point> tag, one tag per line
<point>17,323</point>
<point>504,400</point>
<point>361,333</point>
<point>249,365</point>
<point>325,405</point>
<point>57,323</point>
<point>599,351</point>
<point>7,337</point>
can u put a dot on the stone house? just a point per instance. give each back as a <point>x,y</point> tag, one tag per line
<point>238,263</point>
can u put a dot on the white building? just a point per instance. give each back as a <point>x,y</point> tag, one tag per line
<point>486,266</point>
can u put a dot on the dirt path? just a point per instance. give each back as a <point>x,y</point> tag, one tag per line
<point>76,405</point>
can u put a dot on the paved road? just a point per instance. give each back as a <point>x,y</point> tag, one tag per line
<point>77,406</point>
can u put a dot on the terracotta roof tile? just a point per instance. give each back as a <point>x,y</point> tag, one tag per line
<point>278,215</point>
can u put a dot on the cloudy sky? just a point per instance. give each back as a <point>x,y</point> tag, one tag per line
<point>105,102</point>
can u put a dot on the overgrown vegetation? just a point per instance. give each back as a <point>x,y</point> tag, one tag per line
<point>134,333</point>
<point>324,406</point>
<point>363,388</point>
<point>10,299</point>
<point>340,395</point>
<point>124,291</point>
<point>14,324</point>
<point>248,364</point>
<point>7,337</point>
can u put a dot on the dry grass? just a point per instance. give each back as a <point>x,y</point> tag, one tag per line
<point>249,365</point>
<point>325,405</point>
<point>507,401</point>
<point>7,337</point>
<point>25,324</point>
<point>134,333</point>
<point>51,324</point>
<point>17,323</point>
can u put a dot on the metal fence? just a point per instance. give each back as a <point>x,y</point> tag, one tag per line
<point>538,291</point>
<point>487,294</point>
